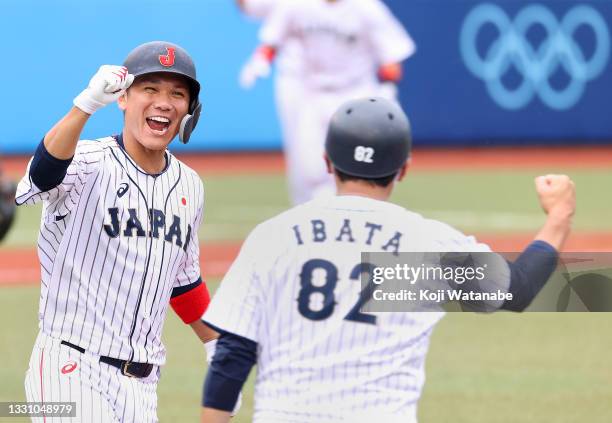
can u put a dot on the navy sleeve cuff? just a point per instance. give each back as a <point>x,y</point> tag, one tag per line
<point>234,357</point>
<point>186,288</point>
<point>46,171</point>
<point>529,273</point>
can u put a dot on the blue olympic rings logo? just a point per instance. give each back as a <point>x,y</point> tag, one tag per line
<point>536,65</point>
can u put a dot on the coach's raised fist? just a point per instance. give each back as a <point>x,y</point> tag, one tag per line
<point>557,195</point>
<point>106,86</point>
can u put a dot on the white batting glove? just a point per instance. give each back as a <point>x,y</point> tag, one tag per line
<point>210,347</point>
<point>257,67</point>
<point>106,86</point>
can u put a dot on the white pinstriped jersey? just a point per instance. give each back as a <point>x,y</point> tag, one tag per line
<point>114,241</point>
<point>294,288</point>
<point>259,9</point>
<point>341,43</point>
<point>289,58</point>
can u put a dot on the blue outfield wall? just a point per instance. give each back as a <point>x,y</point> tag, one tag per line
<point>485,72</point>
<point>510,71</point>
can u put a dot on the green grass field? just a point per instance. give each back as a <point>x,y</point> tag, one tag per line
<point>538,367</point>
<point>473,201</point>
<point>535,367</point>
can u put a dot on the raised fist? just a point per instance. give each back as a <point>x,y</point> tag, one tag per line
<point>557,195</point>
<point>105,87</point>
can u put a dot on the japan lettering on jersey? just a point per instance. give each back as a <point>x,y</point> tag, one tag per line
<point>342,42</point>
<point>295,290</point>
<point>114,241</point>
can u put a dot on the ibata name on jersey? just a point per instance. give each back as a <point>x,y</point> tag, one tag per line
<point>369,233</point>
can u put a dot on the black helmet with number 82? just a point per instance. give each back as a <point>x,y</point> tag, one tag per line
<point>369,138</point>
<point>163,56</point>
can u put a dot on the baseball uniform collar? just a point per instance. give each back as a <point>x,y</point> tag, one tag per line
<point>119,139</point>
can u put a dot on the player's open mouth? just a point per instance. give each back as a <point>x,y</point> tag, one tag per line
<point>158,124</point>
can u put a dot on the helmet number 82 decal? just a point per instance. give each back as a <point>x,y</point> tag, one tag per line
<point>364,154</point>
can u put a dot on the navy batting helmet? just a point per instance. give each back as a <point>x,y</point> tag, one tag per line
<point>368,138</point>
<point>163,56</point>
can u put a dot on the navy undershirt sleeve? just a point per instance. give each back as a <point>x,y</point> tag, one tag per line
<point>234,357</point>
<point>529,273</point>
<point>46,171</point>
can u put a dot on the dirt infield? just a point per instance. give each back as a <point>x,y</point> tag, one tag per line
<point>19,266</point>
<point>422,159</point>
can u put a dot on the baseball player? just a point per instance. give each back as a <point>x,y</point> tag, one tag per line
<point>118,240</point>
<point>287,79</point>
<point>341,49</point>
<point>291,302</point>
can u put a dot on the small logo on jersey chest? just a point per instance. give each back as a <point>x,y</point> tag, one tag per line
<point>123,188</point>
<point>69,367</point>
<point>182,200</point>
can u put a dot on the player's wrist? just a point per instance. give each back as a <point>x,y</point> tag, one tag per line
<point>388,90</point>
<point>560,216</point>
<point>555,231</point>
<point>266,53</point>
<point>86,103</point>
<point>390,72</point>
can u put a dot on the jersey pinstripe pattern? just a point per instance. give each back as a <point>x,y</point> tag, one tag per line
<point>341,43</point>
<point>338,365</point>
<point>114,242</point>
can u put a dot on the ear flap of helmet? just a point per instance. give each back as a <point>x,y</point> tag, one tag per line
<point>189,123</point>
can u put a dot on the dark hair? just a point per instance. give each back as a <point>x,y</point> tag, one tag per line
<point>379,182</point>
